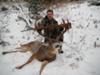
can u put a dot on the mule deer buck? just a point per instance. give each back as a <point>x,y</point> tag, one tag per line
<point>44,52</point>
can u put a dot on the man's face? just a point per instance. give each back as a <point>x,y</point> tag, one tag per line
<point>50,15</point>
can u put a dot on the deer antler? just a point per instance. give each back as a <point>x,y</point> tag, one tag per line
<point>67,26</point>
<point>64,25</point>
<point>27,24</point>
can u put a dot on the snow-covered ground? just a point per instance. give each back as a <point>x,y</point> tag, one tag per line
<point>80,57</point>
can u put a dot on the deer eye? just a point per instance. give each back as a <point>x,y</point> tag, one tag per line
<point>57,46</point>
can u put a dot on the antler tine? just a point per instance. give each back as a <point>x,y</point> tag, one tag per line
<point>70,26</point>
<point>63,21</point>
<point>67,21</point>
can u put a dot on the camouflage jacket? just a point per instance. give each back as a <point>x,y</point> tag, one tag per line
<point>54,33</point>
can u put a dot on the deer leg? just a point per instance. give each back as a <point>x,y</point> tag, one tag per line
<point>29,61</point>
<point>44,63</point>
<point>20,49</point>
<point>6,52</point>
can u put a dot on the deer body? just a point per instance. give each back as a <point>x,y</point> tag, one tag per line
<point>44,54</point>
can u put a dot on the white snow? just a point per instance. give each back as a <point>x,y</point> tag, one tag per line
<point>80,56</point>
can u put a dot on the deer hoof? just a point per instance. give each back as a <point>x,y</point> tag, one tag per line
<point>18,67</point>
<point>3,53</point>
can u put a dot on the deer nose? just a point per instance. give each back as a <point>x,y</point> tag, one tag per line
<point>61,51</point>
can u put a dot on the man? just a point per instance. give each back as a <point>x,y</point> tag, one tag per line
<point>49,20</point>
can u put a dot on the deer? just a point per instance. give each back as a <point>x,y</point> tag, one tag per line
<point>43,52</point>
<point>46,53</point>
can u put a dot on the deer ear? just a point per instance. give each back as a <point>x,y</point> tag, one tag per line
<point>63,21</point>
